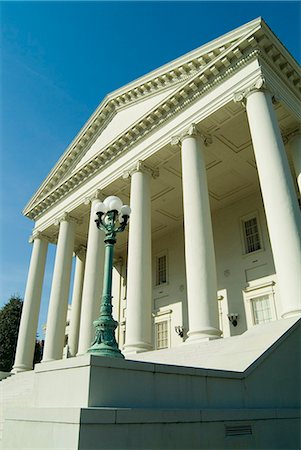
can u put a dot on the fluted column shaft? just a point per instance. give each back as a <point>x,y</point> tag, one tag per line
<point>279,197</point>
<point>199,246</point>
<point>76,303</point>
<point>58,304</point>
<point>93,280</point>
<point>138,337</point>
<point>295,147</point>
<point>31,306</point>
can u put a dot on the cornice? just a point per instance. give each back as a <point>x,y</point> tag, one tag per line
<point>288,72</point>
<point>201,80</point>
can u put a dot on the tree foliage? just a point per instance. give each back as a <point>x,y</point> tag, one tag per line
<point>10,316</point>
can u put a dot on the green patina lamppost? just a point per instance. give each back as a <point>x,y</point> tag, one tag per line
<point>112,218</point>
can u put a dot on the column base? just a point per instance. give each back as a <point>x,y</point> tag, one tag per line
<point>203,335</point>
<point>137,348</point>
<point>20,368</point>
<point>50,360</point>
<point>287,315</point>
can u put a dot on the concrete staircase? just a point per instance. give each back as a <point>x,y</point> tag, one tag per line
<point>16,391</point>
<point>233,353</point>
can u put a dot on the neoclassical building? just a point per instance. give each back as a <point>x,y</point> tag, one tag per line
<point>207,152</point>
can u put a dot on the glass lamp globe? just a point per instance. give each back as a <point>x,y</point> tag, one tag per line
<point>99,208</point>
<point>125,210</point>
<point>112,202</point>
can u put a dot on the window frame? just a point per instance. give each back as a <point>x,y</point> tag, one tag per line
<point>158,256</point>
<point>162,315</point>
<point>253,301</point>
<point>243,221</point>
<point>157,331</point>
<point>259,288</point>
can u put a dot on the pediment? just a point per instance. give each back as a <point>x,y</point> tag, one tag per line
<point>120,122</point>
<point>117,116</point>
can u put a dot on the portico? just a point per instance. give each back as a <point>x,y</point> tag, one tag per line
<point>183,146</point>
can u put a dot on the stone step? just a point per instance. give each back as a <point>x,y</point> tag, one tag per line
<point>16,391</point>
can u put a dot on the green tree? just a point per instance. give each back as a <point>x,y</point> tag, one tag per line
<point>10,316</point>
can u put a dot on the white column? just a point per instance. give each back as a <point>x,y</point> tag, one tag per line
<point>76,301</point>
<point>199,248</point>
<point>295,148</point>
<point>279,197</point>
<point>93,280</point>
<point>58,303</point>
<point>138,334</point>
<point>116,295</point>
<point>31,306</point>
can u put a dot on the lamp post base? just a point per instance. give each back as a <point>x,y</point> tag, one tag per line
<point>105,350</point>
<point>105,343</point>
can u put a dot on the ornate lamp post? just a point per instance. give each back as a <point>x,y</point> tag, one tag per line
<point>108,214</point>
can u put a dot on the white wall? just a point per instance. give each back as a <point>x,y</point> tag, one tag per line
<point>240,276</point>
<point>236,270</point>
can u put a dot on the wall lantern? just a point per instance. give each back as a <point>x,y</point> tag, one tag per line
<point>233,317</point>
<point>179,330</point>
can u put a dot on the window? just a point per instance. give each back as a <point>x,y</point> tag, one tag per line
<point>161,270</point>
<point>260,301</point>
<point>162,326</point>
<point>162,334</point>
<point>251,235</point>
<point>261,309</point>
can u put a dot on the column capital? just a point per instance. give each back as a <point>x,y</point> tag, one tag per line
<point>259,84</point>
<point>80,251</point>
<point>140,166</point>
<point>36,234</point>
<point>65,217</point>
<point>192,131</point>
<point>96,195</point>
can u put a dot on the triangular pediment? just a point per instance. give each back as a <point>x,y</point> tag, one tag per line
<point>120,122</point>
<point>122,110</point>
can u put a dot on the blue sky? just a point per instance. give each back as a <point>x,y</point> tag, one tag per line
<point>58,61</point>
